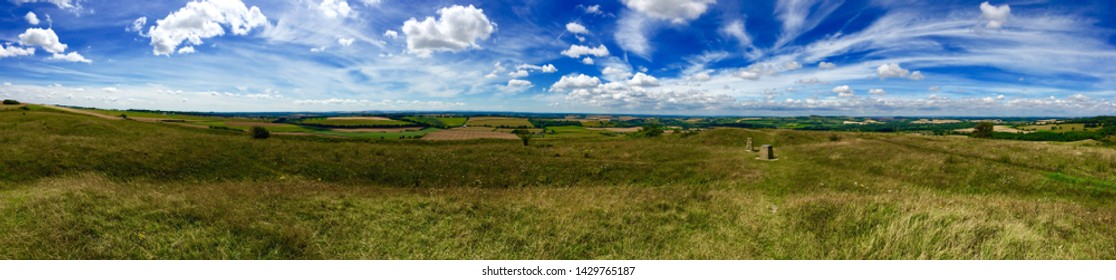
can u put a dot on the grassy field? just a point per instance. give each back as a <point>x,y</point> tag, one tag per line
<point>78,187</point>
<point>151,115</point>
<point>273,127</point>
<point>353,122</point>
<point>498,122</point>
<point>379,135</point>
<point>1062,127</point>
<point>448,122</point>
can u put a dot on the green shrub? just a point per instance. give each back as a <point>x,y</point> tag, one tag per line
<point>652,130</point>
<point>10,102</point>
<point>983,130</point>
<point>260,132</point>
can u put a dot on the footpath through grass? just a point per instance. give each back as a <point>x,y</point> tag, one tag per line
<point>77,187</point>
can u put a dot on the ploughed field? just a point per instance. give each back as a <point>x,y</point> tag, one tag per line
<point>75,186</point>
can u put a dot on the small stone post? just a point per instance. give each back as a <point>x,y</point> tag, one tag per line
<point>767,153</point>
<point>749,145</point>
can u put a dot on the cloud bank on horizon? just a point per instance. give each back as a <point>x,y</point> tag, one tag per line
<point>783,57</point>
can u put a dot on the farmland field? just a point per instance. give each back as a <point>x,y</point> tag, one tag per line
<point>1062,127</point>
<point>498,122</point>
<point>355,121</point>
<point>77,187</point>
<point>468,134</point>
<point>406,133</point>
<point>447,122</point>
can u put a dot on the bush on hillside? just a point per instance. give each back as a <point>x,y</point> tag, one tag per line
<point>983,130</point>
<point>10,102</point>
<point>260,132</point>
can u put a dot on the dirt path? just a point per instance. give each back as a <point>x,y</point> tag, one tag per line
<point>83,112</point>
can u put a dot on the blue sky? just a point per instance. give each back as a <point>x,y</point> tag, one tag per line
<point>795,57</point>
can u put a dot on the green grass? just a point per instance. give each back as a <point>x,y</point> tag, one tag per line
<point>243,125</point>
<point>349,122</point>
<point>453,122</point>
<point>379,135</point>
<point>172,116</point>
<point>77,187</point>
<point>567,132</point>
<point>498,122</point>
<point>1062,127</point>
<point>443,122</point>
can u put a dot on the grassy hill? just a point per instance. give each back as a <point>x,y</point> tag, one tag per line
<point>78,187</point>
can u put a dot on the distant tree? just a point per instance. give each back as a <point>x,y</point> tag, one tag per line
<point>983,130</point>
<point>260,132</point>
<point>652,130</point>
<point>10,102</point>
<point>525,137</point>
<point>123,116</point>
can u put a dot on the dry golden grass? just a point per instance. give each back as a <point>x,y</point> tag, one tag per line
<point>75,187</point>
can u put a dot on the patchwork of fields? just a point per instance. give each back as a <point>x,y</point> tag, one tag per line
<point>73,186</point>
<point>499,122</point>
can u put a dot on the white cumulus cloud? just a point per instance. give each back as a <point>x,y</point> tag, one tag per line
<point>676,11</point>
<point>996,16</point>
<point>44,38</point>
<point>877,91</point>
<point>518,74</point>
<point>186,50</point>
<point>576,51</point>
<point>8,51</point>
<point>576,28</point>
<point>456,28</point>
<point>335,8</point>
<point>643,80</point>
<point>826,65</point>
<point>843,91</point>
<point>202,20</point>
<point>73,57</point>
<point>391,34</point>
<point>747,75</point>
<point>31,18</point>
<point>517,83</point>
<point>891,70</point>
<point>579,81</point>
<point>917,76</point>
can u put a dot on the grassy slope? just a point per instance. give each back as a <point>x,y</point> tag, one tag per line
<point>78,187</point>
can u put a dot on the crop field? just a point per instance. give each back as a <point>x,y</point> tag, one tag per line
<point>396,129</point>
<point>563,132</point>
<point>358,121</point>
<point>1062,127</point>
<point>246,125</point>
<point>448,122</point>
<point>468,134</point>
<point>408,133</point>
<point>73,186</point>
<point>617,129</point>
<point>498,122</point>
<point>453,122</point>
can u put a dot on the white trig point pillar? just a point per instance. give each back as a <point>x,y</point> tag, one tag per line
<point>749,145</point>
<point>767,153</point>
